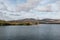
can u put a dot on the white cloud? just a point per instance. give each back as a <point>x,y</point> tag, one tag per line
<point>28,5</point>
<point>52,7</point>
<point>34,11</point>
<point>10,6</point>
<point>7,5</point>
<point>58,5</point>
<point>46,8</point>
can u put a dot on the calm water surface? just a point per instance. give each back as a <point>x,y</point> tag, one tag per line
<point>34,32</point>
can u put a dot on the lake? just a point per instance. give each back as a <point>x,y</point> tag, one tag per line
<point>33,32</point>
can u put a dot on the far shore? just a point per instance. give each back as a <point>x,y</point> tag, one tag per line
<point>29,21</point>
<point>25,24</point>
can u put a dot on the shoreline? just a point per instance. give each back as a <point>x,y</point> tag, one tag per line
<point>27,25</point>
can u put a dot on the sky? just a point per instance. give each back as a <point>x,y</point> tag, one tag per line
<point>38,9</point>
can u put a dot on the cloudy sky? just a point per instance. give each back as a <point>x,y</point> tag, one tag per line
<point>39,9</point>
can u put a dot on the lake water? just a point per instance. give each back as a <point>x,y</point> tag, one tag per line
<point>34,32</point>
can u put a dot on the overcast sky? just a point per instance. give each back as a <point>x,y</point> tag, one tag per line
<point>38,9</point>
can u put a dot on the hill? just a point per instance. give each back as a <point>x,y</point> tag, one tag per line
<point>30,21</point>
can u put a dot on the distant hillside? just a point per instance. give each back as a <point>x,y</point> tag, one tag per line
<point>52,21</point>
<point>27,21</point>
<point>30,21</point>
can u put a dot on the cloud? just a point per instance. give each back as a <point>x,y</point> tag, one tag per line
<point>50,7</point>
<point>58,5</point>
<point>45,8</point>
<point>29,10</point>
<point>7,5</point>
<point>30,4</point>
